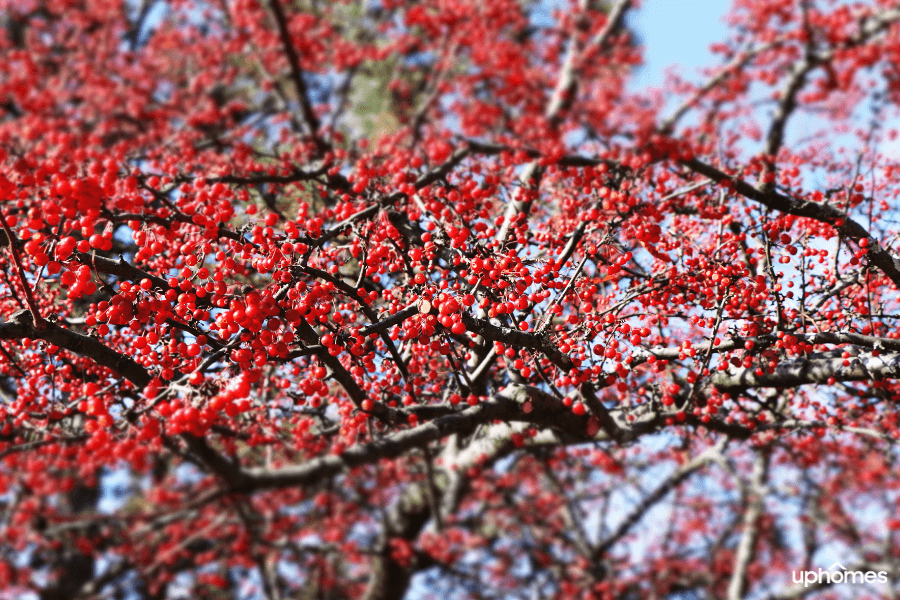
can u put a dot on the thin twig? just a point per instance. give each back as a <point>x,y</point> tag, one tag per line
<point>39,322</point>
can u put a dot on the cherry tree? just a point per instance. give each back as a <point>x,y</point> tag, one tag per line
<point>307,299</point>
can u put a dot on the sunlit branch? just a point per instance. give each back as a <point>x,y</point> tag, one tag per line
<point>812,368</point>
<point>754,500</point>
<point>506,405</point>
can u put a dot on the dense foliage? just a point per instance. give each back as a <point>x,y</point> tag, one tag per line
<point>309,299</point>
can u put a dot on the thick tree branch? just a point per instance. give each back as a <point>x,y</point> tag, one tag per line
<point>21,326</point>
<point>521,339</point>
<point>167,222</point>
<point>813,368</point>
<point>120,268</point>
<point>508,405</point>
<point>765,341</point>
<point>395,319</point>
<point>568,160</point>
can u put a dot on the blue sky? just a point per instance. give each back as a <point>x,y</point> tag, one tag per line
<point>677,33</point>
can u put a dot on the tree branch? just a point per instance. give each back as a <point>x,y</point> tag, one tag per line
<point>309,115</point>
<point>506,335</point>
<point>654,497</point>
<point>876,254</point>
<point>754,497</point>
<point>813,368</point>
<point>21,326</point>
<point>14,249</point>
<point>507,405</point>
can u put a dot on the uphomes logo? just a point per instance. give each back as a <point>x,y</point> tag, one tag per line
<point>837,573</point>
